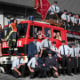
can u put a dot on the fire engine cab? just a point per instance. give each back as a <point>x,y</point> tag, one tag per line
<point>28,29</point>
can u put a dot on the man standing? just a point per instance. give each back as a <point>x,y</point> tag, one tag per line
<point>64,50</point>
<point>45,46</point>
<point>69,21</point>
<point>74,58</point>
<point>64,18</point>
<point>12,37</point>
<point>54,9</point>
<point>73,20</point>
<point>33,47</point>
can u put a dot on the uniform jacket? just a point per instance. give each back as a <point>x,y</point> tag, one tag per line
<point>32,49</point>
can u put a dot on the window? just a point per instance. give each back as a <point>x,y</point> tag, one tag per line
<point>35,30</point>
<point>47,31</point>
<point>21,29</point>
<point>57,34</point>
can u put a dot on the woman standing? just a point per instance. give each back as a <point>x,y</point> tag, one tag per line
<point>1,38</point>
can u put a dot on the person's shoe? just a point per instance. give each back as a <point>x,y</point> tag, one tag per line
<point>31,77</point>
<point>64,73</point>
<point>69,74</point>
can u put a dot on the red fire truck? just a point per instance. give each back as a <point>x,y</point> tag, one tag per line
<point>26,30</point>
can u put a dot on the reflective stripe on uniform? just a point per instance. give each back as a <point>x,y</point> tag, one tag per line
<point>8,35</point>
<point>15,49</point>
<point>10,48</point>
<point>14,40</point>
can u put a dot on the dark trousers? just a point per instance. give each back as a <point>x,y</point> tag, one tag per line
<point>74,64</point>
<point>35,73</point>
<point>66,64</point>
<point>13,44</point>
<point>15,74</point>
<point>39,71</point>
<point>21,69</point>
<point>78,64</point>
<point>65,24</point>
<point>51,72</point>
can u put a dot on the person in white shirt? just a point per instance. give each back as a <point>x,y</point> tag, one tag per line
<point>64,18</point>
<point>74,56</point>
<point>54,9</point>
<point>32,65</point>
<point>64,50</point>
<point>73,20</point>
<point>45,45</point>
<point>35,66</point>
<point>77,19</point>
<point>16,64</point>
<point>78,57</point>
<point>69,21</point>
<point>54,49</point>
<point>77,22</point>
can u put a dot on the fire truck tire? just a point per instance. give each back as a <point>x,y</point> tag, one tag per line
<point>7,68</point>
<point>2,69</point>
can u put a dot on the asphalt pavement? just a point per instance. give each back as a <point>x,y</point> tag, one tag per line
<point>66,77</point>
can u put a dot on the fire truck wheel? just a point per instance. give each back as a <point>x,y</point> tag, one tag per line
<point>2,70</point>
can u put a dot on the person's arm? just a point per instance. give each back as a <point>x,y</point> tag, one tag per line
<point>55,68</point>
<point>21,62</point>
<point>72,20</point>
<point>46,62</point>
<point>55,64</point>
<point>58,10</point>
<point>50,44</point>
<point>41,49</point>
<point>69,50</point>
<point>15,69</point>
<point>31,70</point>
<point>63,17</point>
<point>79,21</point>
<point>58,54</point>
<point>14,66</point>
<point>41,52</point>
<point>29,65</point>
<point>49,8</point>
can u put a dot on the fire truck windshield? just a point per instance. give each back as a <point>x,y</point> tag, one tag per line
<point>21,29</point>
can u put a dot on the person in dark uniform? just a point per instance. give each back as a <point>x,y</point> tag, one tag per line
<point>12,37</point>
<point>1,38</point>
<point>52,65</point>
<point>33,47</point>
<point>64,50</point>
